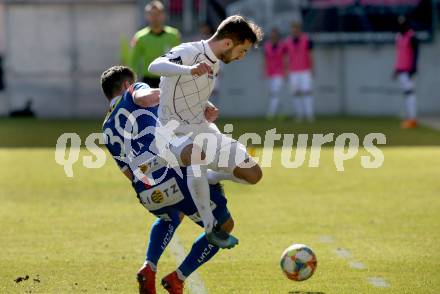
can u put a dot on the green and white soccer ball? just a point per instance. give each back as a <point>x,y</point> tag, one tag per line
<point>298,262</point>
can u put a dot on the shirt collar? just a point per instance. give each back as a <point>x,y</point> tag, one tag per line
<point>113,101</point>
<point>208,52</point>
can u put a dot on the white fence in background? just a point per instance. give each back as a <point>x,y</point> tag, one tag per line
<point>56,50</point>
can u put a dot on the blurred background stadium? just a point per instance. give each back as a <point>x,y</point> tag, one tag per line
<point>53,52</point>
<point>87,233</point>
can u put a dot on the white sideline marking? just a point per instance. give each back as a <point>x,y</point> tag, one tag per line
<point>357,265</point>
<point>343,253</point>
<point>326,239</point>
<point>195,283</point>
<point>378,282</point>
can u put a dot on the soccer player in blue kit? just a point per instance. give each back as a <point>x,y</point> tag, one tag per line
<point>133,108</point>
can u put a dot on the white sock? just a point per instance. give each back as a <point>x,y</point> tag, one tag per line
<point>273,105</point>
<point>180,275</point>
<point>214,177</point>
<point>411,106</point>
<point>308,107</point>
<point>199,189</point>
<point>298,107</point>
<point>152,265</point>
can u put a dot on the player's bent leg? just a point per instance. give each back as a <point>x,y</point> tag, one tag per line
<point>192,156</point>
<point>160,235</point>
<point>251,175</point>
<point>201,252</point>
<point>235,164</point>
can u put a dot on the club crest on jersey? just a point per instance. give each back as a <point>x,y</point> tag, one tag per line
<point>177,60</point>
<point>157,196</point>
<point>143,168</point>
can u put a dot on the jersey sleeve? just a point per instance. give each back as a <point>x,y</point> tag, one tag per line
<point>138,86</point>
<point>183,54</point>
<point>176,62</point>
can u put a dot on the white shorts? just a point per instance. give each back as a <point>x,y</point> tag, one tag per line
<point>300,81</point>
<point>405,81</point>
<point>222,152</point>
<point>275,84</point>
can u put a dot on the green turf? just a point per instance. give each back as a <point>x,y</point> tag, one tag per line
<point>88,233</point>
<point>44,133</point>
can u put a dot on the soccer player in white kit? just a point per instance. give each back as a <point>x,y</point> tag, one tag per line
<point>188,76</point>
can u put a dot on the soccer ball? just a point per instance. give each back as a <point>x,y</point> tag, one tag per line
<point>298,262</point>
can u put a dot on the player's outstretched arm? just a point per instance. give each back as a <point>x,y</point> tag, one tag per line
<point>146,97</point>
<point>163,66</point>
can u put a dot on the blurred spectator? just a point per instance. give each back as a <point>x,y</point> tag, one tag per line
<point>300,67</point>
<point>274,70</point>
<point>405,69</point>
<point>176,6</point>
<point>151,42</point>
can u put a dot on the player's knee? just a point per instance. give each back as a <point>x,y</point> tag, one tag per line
<point>251,175</point>
<point>255,175</point>
<point>228,225</point>
<point>192,154</point>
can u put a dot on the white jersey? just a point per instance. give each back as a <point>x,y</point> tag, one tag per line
<point>184,97</point>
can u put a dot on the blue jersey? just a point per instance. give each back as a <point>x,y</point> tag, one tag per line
<point>128,133</point>
<point>122,126</point>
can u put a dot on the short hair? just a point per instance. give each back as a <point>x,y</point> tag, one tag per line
<point>154,4</point>
<point>112,79</point>
<point>239,29</point>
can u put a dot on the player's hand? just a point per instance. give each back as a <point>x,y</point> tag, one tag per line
<point>201,69</point>
<point>153,96</point>
<point>211,113</point>
<point>147,98</point>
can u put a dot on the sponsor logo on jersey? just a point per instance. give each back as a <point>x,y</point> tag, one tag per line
<point>157,196</point>
<point>143,168</point>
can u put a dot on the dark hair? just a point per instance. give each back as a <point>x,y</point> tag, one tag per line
<point>239,29</point>
<point>113,79</point>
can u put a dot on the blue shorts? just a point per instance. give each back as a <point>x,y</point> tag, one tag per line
<point>171,196</point>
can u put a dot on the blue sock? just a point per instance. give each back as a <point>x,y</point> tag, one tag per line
<point>200,253</point>
<point>160,236</point>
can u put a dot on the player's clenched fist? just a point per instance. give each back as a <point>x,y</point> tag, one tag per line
<point>211,113</point>
<point>201,69</point>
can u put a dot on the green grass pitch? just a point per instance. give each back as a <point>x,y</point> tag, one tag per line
<point>88,234</point>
